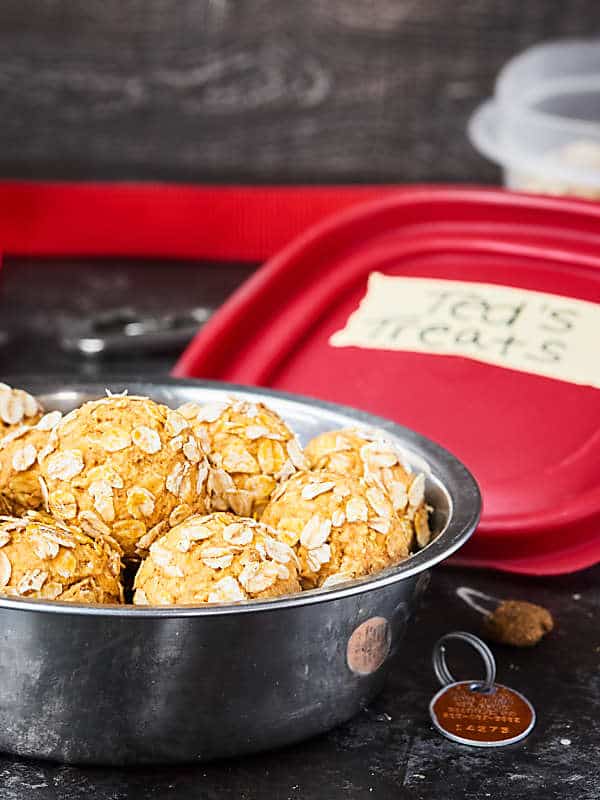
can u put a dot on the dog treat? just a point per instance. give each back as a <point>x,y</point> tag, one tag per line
<point>125,466</point>
<point>341,527</point>
<point>182,490</point>
<point>250,450</point>
<point>518,623</point>
<point>216,558</point>
<point>368,454</point>
<point>43,558</point>
<point>21,448</point>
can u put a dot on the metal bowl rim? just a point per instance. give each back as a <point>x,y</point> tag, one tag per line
<point>456,480</point>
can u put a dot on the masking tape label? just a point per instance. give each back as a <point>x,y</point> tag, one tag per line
<point>544,334</point>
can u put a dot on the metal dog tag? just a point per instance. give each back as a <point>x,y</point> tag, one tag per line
<point>480,713</point>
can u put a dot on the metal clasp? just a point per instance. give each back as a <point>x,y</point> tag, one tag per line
<point>124,330</point>
<point>440,666</point>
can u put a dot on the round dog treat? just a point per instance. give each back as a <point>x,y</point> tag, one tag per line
<point>251,450</point>
<point>125,466</point>
<point>340,526</point>
<point>17,407</point>
<point>368,454</point>
<point>218,558</point>
<point>43,558</point>
<point>518,623</point>
<point>20,449</point>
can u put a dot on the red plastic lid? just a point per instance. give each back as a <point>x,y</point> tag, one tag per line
<point>532,441</point>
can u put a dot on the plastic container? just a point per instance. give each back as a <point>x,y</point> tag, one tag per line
<point>543,124</point>
<point>532,440</point>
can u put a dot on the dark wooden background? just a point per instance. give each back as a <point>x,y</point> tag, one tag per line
<point>259,90</point>
<point>285,90</point>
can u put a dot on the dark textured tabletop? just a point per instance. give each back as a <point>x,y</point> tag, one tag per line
<point>389,750</point>
<point>268,91</point>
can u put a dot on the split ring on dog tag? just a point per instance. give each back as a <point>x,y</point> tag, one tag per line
<point>482,713</point>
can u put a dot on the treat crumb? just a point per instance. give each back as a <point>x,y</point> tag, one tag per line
<point>518,623</point>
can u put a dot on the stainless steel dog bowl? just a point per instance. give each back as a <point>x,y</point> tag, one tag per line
<point>132,685</point>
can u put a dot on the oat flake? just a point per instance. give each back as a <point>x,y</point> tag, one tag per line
<point>49,421</point>
<point>65,465</point>
<point>310,532</point>
<point>176,443</point>
<point>238,533</point>
<point>146,439</point>
<point>356,510</point>
<point>287,470</point>
<point>140,501</point>
<point>318,556</point>
<point>191,450</point>
<point>216,557</point>
<point>144,542</point>
<point>398,495</point>
<point>45,548</point>
<point>193,529</point>
<point>336,578</point>
<point>32,581</point>
<point>115,439</point>
<point>296,455</point>
<point>5,569</point>
<point>278,551</point>
<point>338,518</point>
<point>211,412</point>
<point>176,422</point>
<point>312,490</point>
<point>175,478</point>
<point>14,434</point>
<point>24,458</point>
<point>378,501</point>
<point>12,408</point>
<point>226,590</point>
<point>256,431</point>
<point>416,492</point>
<point>258,577</point>
<point>380,524</point>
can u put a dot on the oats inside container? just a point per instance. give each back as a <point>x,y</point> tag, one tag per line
<point>182,490</point>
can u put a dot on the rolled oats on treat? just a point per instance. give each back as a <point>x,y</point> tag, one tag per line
<point>110,466</point>
<point>216,558</point>
<point>17,407</point>
<point>41,557</point>
<point>340,526</point>
<point>369,455</point>
<point>20,451</point>
<point>250,450</point>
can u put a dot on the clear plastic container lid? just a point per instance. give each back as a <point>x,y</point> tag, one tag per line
<point>544,119</point>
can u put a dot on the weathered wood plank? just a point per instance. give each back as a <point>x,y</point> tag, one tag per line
<point>258,90</point>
